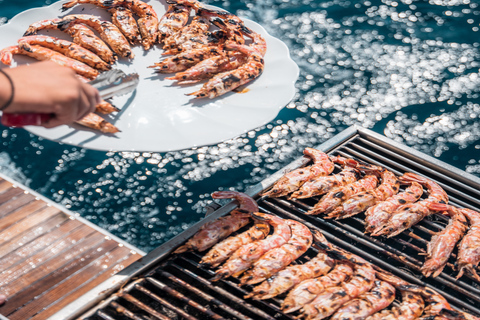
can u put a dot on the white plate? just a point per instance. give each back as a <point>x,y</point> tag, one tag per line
<point>158,116</point>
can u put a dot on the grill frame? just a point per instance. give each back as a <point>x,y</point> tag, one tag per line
<point>342,144</point>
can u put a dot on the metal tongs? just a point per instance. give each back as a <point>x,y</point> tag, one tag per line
<point>111,83</point>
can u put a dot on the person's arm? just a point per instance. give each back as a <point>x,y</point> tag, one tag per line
<point>46,87</point>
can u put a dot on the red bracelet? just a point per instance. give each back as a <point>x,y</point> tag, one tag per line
<point>9,101</point>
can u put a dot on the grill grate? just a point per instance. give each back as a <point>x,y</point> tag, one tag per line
<point>178,288</point>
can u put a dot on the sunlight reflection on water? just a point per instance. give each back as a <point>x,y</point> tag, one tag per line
<point>406,69</point>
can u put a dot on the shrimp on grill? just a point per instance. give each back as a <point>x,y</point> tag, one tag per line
<point>67,48</point>
<point>124,20</point>
<point>279,258</point>
<point>223,250</point>
<point>339,195</point>
<point>332,298</point>
<point>411,306</point>
<point>378,298</point>
<point>435,301</point>
<point>147,17</point>
<point>469,248</point>
<point>361,201</point>
<point>286,279</point>
<point>307,290</point>
<point>378,215</point>
<point>442,244</point>
<point>323,184</point>
<point>219,229</point>
<point>94,121</point>
<point>42,53</point>
<point>412,213</point>
<point>291,181</point>
<point>246,255</point>
<point>107,30</point>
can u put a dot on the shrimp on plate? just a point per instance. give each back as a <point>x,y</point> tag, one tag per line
<point>378,298</point>
<point>363,200</point>
<point>105,107</point>
<point>291,181</point>
<point>147,17</point>
<point>219,229</point>
<point>279,258</point>
<point>67,48</point>
<point>409,214</point>
<point>192,36</point>
<point>320,185</point>
<point>378,215</point>
<point>42,53</point>
<point>175,19</point>
<point>245,256</point>
<point>96,122</point>
<point>337,196</point>
<point>124,20</point>
<point>442,244</point>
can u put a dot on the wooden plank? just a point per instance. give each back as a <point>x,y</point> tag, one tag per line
<point>38,244</point>
<point>6,198</point>
<point>4,185</point>
<point>73,287</point>
<point>32,233</point>
<point>49,259</point>
<point>27,294</point>
<point>25,205</point>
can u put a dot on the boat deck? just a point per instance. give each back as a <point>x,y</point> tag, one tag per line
<point>48,256</point>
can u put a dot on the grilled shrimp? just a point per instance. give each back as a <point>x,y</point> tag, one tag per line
<point>361,201</point>
<point>378,298</point>
<point>221,228</point>
<point>469,248</point>
<point>323,184</point>
<point>378,215</point>
<point>307,290</point>
<point>339,195</point>
<point>207,68</point>
<point>192,36</point>
<point>147,17</point>
<point>246,255</point>
<point>442,244</point>
<point>173,20</point>
<point>322,166</point>
<point>68,49</point>
<point>107,30</point>
<point>411,306</point>
<point>286,279</point>
<point>223,250</point>
<point>229,80</point>
<point>42,53</point>
<point>279,258</point>
<point>105,107</point>
<point>332,298</point>
<point>412,213</point>
<point>435,301</point>
<point>185,60</point>
<point>124,20</point>
<point>94,121</point>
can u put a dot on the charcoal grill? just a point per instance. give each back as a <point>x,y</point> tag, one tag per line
<point>166,286</point>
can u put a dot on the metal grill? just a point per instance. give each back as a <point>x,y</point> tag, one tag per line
<point>176,287</point>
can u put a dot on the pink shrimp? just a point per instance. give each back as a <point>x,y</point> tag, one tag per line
<point>246,255</point>
<point>41,53</point>
<point>337,196</point>
<point>412,213</point>
<point>219,229</point>
<point>332,298</point>
<point>378,215</point>
<point>435,301</point>
<point>307,290</point>
<point>469,248</point>
<point>94,121</point>
<point>378,298</point>
<point>105,107</point>
<point>362,201</point>
<point>323,184</point>
<point>322,166</point>
<point>442,244</point>
<point>286,279</point>
<point>68,49</point>
<point>223,250</point>
<point>279,258</point>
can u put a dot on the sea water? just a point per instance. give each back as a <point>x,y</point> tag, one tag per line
<point>406,69</point>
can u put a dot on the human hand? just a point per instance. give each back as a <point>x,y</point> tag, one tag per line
<point>48,88</point>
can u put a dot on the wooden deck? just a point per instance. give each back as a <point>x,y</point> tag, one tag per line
<point>49,257</point>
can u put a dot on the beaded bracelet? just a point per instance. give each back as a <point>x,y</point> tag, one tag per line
<point>9,101</point>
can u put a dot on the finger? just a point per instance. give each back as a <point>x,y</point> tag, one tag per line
<point>93,96</point>
<point>86,104</point>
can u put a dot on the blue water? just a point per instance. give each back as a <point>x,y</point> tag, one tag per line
<point>406,69</point>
